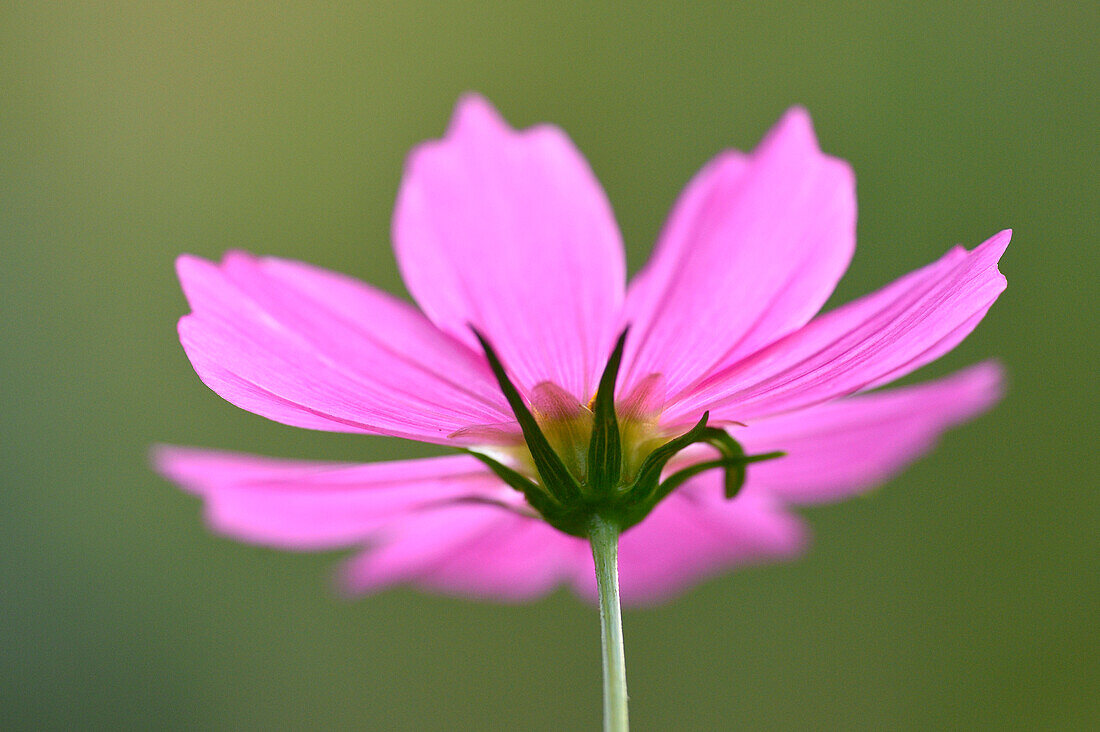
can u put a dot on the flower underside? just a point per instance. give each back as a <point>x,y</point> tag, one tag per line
<point>575,466</point>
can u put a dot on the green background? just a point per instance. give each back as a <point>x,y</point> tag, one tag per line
<point>964,594</point>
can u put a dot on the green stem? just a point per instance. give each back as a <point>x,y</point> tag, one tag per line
<point>604,537</point>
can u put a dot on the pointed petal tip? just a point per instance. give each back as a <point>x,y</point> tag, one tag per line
<point>992,372</point>
<point>795,126</point>
<point>473,118</point>
<point>795,129</point>
<point>191,268</point>
<point>472,99</point>
<point>188,265</point>
<point>997,243</point>
<point>238,257</point>
<point>473,112</point>
<point>178,464</point>
<point>184,326</point>
<point>992,250</point>
<point>797,113</point>
<point>166,458</point>
<point>988,381</point>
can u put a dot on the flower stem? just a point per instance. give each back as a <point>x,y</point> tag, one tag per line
<point>604,537</point>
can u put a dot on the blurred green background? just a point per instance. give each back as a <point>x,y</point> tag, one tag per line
<point>963,595</point>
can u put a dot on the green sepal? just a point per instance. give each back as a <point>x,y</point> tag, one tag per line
<point>733,452</point>
<point>557,479</point>
<point>730,449</point>
<point>605,452</point>
<point>568,503</point>
<point>539,500</point>
<point>650,472</point>
<point>729,464</point>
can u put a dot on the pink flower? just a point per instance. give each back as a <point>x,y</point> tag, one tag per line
<point>509,233</point>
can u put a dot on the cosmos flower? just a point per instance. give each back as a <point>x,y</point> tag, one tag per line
<point>732,401</point>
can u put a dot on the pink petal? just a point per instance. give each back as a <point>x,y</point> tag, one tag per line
<point>305,505</point>
<point>752,250</point>
<point>467,550</point>
<point>510,232</point>
<point>519,559</point>
<point>875,339</point>
<point>315,349</point>
<point>694,533</point>
<point>840,448</point>
<point>432,523</point>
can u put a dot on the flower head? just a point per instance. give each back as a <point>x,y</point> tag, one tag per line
<point>694,406</point>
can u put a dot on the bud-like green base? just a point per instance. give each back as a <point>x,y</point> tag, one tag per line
<point>593,482</point>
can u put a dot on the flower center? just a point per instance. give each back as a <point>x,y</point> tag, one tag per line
<point>577,462</point>
<point>568,428</point>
